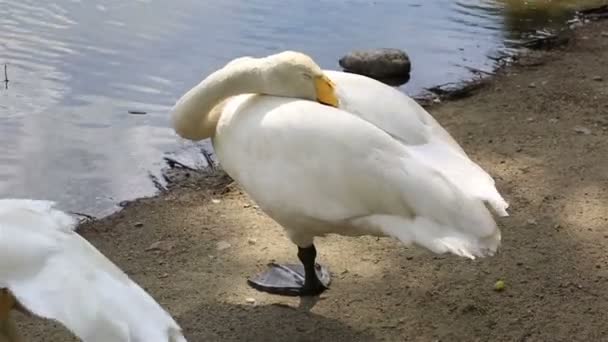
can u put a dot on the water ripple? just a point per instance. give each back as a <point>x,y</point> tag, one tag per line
<point>77,67</point>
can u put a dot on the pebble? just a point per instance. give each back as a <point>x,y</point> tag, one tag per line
<point>138,224</point>
<point>598,78</point>
<point>252,241</point>
<point>582,130</point>
<point>161,246</point>
<point>250,300</point>
<point>604,34</point>
<point>215,201</point>
<point>222,245</point>
<point>532,85</point>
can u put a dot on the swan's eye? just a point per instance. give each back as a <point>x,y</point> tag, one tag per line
<point>307,77</point>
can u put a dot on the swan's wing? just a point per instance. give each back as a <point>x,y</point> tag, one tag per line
<point>389,109</point>
<point>57,274</point>
<point>406,121</point>
<point>305,162</point>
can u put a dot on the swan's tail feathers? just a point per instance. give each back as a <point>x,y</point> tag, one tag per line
<point>38,213</point>
<point>460,172</point>
<point>432,235</point>
<point>498,205</point>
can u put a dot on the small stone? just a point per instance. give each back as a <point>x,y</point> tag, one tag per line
<point>532,222</point>
<point>530,119</point>
<point>553,120</point>
<point>582,130</point>
<point>604,34</point>
<point>138,224</point>
<point>164,275</point>
<point>598,78</point>
<point>252,241</point>
<point>222,245</point>
<point>161,246</point>
<point>532,85</point>
<point>215,201</point>
<point>250,300</point>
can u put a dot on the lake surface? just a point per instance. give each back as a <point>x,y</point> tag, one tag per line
<point>77,67</point>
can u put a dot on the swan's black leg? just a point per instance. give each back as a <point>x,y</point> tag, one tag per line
<point>306,279</point>
<point>312,285</point>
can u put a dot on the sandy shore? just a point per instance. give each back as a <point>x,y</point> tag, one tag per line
<point>540,128</point>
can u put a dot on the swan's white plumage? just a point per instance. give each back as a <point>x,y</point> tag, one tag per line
<point>380,164</point>
<point>405,120</point>
<point>56,274</point>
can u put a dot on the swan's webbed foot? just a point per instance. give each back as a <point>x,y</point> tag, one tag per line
<point>307,279</point>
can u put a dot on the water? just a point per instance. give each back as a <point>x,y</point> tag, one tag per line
<point>77,67</point>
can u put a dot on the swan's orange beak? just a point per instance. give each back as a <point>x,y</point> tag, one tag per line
<point>7,302</point>
<point>326,91</point>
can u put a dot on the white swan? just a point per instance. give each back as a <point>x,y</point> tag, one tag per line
<point>369,162</point>
<point>48,270</point>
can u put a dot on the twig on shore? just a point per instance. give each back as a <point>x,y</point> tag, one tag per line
<point>157,184</point>
<point>208,158</point>
<point>176,164</point>
<point>476,71</point>
<point>452,91</point>
<point>84,217</point>
<point>596,13</point>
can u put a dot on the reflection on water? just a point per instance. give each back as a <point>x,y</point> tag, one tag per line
<point>528,16</point>
<point>77,67</point>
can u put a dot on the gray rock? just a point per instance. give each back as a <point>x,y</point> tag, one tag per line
<point>378,63</point>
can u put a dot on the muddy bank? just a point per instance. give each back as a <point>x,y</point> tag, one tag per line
<point>539,127</point>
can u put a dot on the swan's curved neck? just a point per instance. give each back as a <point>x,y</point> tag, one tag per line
<point>194,116</point>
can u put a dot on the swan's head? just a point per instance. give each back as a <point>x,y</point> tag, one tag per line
<point>294,74</point>
<point>288,74</point>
